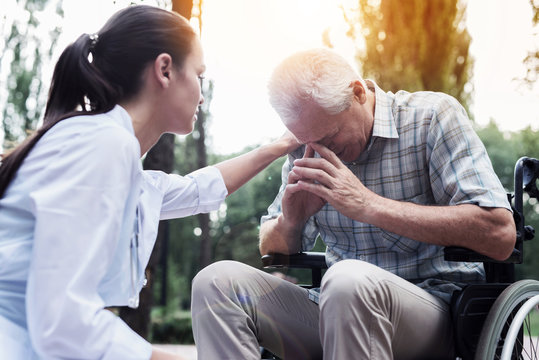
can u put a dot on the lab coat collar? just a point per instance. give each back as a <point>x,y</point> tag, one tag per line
<point>122,117</point>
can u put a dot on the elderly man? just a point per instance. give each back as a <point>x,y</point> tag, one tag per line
<point>387,180</point>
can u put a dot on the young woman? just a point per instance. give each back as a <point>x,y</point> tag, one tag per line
<point>78,215</point>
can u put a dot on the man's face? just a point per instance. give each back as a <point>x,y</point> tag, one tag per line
<point>346,133</point>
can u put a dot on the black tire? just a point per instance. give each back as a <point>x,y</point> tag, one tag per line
<point>499,318</point>
<point>267,355</point>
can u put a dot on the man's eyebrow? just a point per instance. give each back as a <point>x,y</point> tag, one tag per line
<point>302,142</point>
<point>318,140</point>
<point>329,136</point>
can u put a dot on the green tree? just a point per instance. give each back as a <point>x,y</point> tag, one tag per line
<point>504,150</point>
<point>532,59</point>
<point>161,157</point>
<point>237,235</point>
<point>414,45</point>
<point>24,50</point>
<point>184,256</point>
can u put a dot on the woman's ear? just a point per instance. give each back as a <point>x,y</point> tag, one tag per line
<point>359,91</point>
<point>162,69</point>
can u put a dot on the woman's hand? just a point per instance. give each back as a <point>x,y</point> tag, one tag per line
<point>158,354</point>
<point>237,171</point>
<point>289,142</point>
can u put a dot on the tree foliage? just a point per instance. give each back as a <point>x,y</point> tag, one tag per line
<point>161,157</point>
<point>24,50</point>
<point>411,45</point>
<point>532,59</point>
<point>504,150</point>
<point>414,45</point>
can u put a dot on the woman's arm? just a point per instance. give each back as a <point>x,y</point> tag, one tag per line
<point>237,171</point>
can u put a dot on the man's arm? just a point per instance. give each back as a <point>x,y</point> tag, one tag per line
<point>489,231</point>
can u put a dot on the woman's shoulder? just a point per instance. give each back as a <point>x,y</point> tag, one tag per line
<point>97,142</point>
<point>96,131</point>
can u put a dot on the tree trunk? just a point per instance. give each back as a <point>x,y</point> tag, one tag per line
<point>203,219</point>
<point>160,157</point>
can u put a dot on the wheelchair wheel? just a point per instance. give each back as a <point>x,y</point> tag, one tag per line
<point>267,355</point>
<point>512,325</point>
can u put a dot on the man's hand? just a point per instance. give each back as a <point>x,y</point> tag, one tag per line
<point>299,205</point>
<point>328,179</point>
<point>283,234</point>
<point>489,231</point>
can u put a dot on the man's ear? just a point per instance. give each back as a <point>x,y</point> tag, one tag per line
<point>360,93</point>
<point>162,69</point>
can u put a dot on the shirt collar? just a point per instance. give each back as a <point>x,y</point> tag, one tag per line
<point>384,120</point>
<point>122,118</point>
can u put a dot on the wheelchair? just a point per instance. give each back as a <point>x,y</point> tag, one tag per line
<point>497,319</point>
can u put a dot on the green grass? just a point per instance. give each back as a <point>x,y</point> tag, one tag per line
<point>172,328</point>
<point>534,323</point>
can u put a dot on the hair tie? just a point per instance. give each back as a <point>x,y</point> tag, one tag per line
<point>93,40</point>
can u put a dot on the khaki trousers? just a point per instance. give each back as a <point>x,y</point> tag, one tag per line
<point>365,313</point>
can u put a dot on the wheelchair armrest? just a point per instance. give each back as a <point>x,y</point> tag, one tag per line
<point>316,261</point>
<point>455,253</point>
<point>308,260</point>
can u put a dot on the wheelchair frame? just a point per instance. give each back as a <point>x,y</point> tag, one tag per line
<point>483,315</point>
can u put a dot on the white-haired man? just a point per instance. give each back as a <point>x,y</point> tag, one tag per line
<point>387,180</point>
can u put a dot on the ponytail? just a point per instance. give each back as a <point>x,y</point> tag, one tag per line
<point>98,71</point>
<point>12,161</point>
<point>73,74</point>
<point>77,85</point>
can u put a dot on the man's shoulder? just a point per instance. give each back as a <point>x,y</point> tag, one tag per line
<point>426,100</point>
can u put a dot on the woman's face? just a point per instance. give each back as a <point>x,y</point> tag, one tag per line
<point>186,95</point>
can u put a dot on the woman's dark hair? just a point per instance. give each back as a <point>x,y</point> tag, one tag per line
<point>98,71</point>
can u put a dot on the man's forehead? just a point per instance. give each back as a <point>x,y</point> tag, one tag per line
<point>308,129</point>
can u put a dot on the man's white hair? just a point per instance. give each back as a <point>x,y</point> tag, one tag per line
<point>318,76</point>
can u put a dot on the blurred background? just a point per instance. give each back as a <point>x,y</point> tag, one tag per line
<point>484,53</point>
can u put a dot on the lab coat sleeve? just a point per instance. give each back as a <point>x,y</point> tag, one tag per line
<point>201,191</point>
<point>78,220</point>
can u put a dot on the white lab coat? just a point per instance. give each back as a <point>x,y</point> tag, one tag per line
<point>77,227</point>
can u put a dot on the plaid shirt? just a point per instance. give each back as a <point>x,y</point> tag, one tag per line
<point>422,150</point>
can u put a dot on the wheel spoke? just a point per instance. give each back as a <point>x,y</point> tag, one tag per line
<point>511,323</point>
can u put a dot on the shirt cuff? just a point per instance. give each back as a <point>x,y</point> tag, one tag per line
<point>211,188</point>
<point>127,344</point>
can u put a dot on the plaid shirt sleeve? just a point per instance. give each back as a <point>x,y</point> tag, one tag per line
<point>459,167</point>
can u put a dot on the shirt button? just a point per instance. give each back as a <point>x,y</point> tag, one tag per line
<point>362,257</point>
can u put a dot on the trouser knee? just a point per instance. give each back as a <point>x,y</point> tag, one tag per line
<point>213,280</point>
<point>352,282</point>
